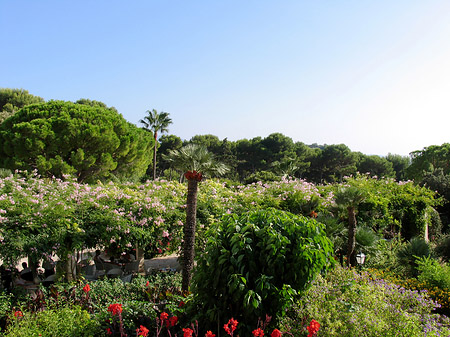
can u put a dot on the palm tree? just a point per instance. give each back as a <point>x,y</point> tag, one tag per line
<point>156,122</point>
<point>196,162</point>
<point>350,198</point>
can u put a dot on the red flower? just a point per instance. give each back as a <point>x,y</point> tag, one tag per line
<point>230,326</point>
<point>209,334</point>
<point>108,331</point>
<point>115,309</point>
<point>187,332</point>
<point>258,332</point>
<point>276,333</point>
<point>313,327</point>
<point>172,321</point>
<point>18,314</point>
<point>163,316</point>
<point>86,288</point>
<point>181,304</point>
<point>142,331</point>
<point>147,284</point>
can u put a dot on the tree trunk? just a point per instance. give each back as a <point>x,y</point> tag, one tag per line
<point>351,256</point>
<point>189,233</point>
<point>154,158</point>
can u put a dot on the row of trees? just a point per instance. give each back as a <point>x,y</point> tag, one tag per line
<point>93,141</point>
<point>265,159</point>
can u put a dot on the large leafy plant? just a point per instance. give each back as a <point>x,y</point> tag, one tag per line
<point>255,263</point>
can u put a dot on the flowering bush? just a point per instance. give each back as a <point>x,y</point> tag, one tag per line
<point>350,304</point>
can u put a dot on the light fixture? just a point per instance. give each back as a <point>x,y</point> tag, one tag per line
<point>361,258</point>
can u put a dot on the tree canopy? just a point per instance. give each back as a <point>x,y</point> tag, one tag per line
<point>12,100</point>
<point>156,122</point>
<point>89,142</point>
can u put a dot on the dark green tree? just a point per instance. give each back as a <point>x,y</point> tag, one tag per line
<point>167,143</point>
<point>95,103</point>
<point>399,164</point>
<point>12,100</point>
<point>375,166</point>
<point>196,162</point>
<point>59,138</point>
<point>156,122</point>
<point>429,159</point>
<point>332,164</point>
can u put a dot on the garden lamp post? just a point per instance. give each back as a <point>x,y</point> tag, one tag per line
<point>360,258</point>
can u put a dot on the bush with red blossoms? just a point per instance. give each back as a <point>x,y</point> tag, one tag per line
<point>142,331</point>
<point>115,309</point>
<point>313,328</point>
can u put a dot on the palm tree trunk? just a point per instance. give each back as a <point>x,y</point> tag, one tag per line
<point>189,233</point>
<point>351,256</point>
<point>154,158</point>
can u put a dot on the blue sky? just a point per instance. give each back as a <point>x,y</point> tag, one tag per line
<point>374,75</point>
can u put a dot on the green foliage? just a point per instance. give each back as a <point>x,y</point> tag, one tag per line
<point>391,207</point>
<point>407,255</point>
<point>59,138</point>
<point>332,164</point>
<point>193,157</point>
<point>263,176</point>
<point>68,321</point>
<point>254,264</point>
<point>384,255</point>
<point>366,240</point>
<point>12,100</point>
<point>433,273</point>
<point>428,160</point>
<point>399,165</point>
<point>442,248</point>
<point>375,166</point>
<point>156,122</point>
<point>298,203</point>
<point>348,304</point>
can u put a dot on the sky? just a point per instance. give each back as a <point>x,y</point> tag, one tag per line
<point>373,75</point>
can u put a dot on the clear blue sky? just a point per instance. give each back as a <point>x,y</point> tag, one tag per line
<point>374,75</point>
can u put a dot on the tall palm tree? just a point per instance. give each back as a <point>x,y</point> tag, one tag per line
<point>196,162</point>
<point>156,122</point>
<point>350,197</point>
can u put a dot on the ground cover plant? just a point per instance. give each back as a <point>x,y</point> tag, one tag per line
<point>348,303</point>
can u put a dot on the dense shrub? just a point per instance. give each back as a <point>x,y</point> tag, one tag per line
<point>408,254</point>
<point>349,304</point>
<point>67,321</point>
<point>442,248</point>
<point>254,264</point>
<point>433,273</point>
